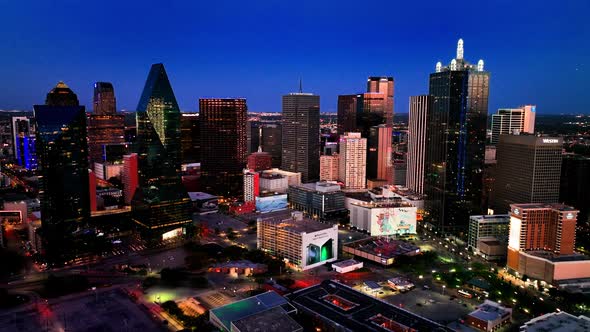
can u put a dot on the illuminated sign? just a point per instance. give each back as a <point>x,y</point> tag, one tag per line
<point>516,212</point>
<point>569,216</point>
<point>550,140</point>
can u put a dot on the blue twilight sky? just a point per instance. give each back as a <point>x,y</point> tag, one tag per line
<point>537,51</point>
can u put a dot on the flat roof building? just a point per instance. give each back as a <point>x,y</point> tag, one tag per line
<point>489,316</point>
<point>557,322</point>
<point>332,306</point>
<point>321,200</point>
<point>488,226</point>
<point>303,242</point>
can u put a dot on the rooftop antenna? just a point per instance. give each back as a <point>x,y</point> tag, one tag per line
<point>460,49</point>
<point>300,85</point>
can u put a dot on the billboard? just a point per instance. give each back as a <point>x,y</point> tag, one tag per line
<point>393,221</point>
<point>271,203</point>
<point>319,247</point>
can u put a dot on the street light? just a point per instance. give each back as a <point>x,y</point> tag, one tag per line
<point>443,290</point>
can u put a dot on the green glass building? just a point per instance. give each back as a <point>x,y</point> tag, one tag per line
<point>161,203</point>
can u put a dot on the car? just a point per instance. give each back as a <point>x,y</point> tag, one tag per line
<point>431,301</point>
<point>426,287</point>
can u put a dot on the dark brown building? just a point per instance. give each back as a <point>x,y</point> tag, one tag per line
<point>223,145</point>
<point>105,126</point>
<point>190,138</point>
<point>347,112</point>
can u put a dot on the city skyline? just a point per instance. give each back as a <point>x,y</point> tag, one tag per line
<point>263,67</point>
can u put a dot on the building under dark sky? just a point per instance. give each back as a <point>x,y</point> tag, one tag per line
<point>63,171</point>
<point>190,138</point>
<point>456,134</point>
<point>348,107</point>
<point>301,135</point>
<point>105,126</point>
<point>160,204</point>
<point>223,145</point>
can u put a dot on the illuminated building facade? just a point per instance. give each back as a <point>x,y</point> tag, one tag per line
<point>223,145</point>
<point>303,242</point>
<point>379,154</point>
<point>419,109</point>
<point>353,161</point>
<point>329,167</point>
<point>23,140</point>
<point>456,135</point>
<point>160,205</point>
<point>105,126</point>
<point>510,121</point>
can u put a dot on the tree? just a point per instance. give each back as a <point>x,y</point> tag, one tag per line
<point>234,253</point>
<point>197,260</point>
<point>172,277</point>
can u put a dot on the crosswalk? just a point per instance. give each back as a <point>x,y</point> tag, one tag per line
<point>126,250</point>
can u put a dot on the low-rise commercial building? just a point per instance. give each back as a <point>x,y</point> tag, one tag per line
<point>320,200</point>
<point>387,217</point>
<point>347,266</point>
<point>383,251</point>
<point>488,226</point>
<point>490,316</point>
<point>557,322</point>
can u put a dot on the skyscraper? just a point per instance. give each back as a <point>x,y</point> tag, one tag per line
<point>104,99</point>
<point>353,161</point>
<point>63,171</point>
<point>158,129</point>
<point>105,126</point>
<point>383,85</point>
<point>528,170</point>
<point>253,136</point>
<point>259,161</point>
<point>271,141</point>
<point>190,138</point>
<point>512,121</point>
<point>379,163</point>
<point>420,106</point>
<point>301,135</point>
<point>348,107</point>
<point>160,205</point>
<point>456,134</point>
<point>223,145</point>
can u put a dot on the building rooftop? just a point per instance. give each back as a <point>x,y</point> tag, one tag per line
<point>247,307</point>
<point>490,311</point>
<point>555,206</point>
<point>355,311</point>
<point>197,195</point>
<point>275,319</point>
<point>491,218</point>
<point>304,225</point>
<point>557,322</point>
<point>385,248</point>
<point>372,285</point>
<point>346,263</point>
<point>551,256</point>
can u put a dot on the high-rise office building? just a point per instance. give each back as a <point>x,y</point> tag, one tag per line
<point>301,135</point>
<point>130,176</point>
<point>23,141</point>
<point>512,121</point>
<point>353,161</point>
<point>223,145</point>
<point>329,167</point>
<point>420,106</point>
<point>382,85</point>
<point>528,170</point>
<point>104,99</point>
<point>379,154</point>
<point>190,138</point>
<point>456,135</point>
<point>574,189</point>
<point>105,126</point>
<point>63,171</point>
<point>348,107</point>
<point>160,205</point>
<point>271,140</point>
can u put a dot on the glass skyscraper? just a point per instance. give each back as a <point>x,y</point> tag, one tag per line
<point>63,171</point>
<point>456,134</point>
<point>161,203</point>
